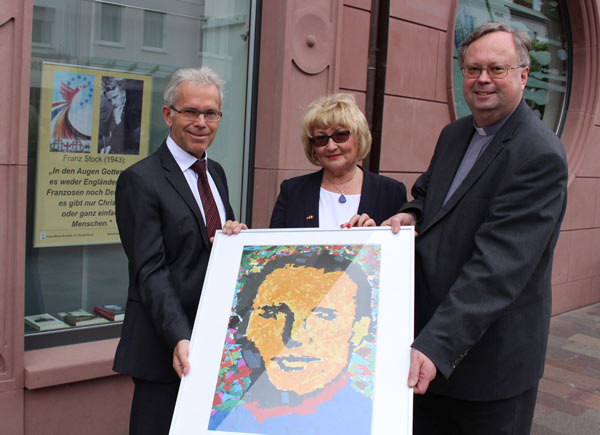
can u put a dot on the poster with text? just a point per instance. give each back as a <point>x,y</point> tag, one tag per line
<point>93,125</point>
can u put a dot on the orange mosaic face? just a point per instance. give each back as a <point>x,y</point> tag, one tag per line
<point>301,323</point>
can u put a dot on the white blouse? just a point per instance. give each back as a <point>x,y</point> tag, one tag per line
<point>332,213</point>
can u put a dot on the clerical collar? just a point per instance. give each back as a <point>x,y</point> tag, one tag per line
<point>491,130</point>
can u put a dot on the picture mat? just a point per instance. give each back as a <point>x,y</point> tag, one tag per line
<point>392,401</point>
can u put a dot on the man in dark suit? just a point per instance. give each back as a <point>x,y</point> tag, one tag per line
<point>487,213</point>
<point>168,207</point>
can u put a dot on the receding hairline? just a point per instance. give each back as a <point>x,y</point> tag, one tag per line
<point>521,41</point>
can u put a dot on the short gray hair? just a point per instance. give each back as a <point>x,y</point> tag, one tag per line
<point>203,76</point>
<point>521,40</point>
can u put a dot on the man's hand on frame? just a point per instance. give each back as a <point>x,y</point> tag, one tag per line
<point>421,373</point>
<point>181,364</point>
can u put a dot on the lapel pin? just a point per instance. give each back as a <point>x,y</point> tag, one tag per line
<point>309,217</point>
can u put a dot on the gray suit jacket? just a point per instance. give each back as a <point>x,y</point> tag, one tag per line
<point>483,260</point>
<point>167,245</point>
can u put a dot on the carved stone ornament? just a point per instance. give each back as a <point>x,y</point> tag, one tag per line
<point>313,41</point>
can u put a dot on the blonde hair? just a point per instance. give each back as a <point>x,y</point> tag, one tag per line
<point>332,111</point>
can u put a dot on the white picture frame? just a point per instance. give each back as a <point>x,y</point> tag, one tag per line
<point>215,344</point>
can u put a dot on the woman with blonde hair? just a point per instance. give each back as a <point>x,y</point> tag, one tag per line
<point>335,135</point>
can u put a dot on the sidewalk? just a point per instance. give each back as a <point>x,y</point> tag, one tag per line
<point>569,393</point>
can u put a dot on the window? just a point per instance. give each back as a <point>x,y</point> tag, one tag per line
<point>110,23</point>
<point>154,29</point>
<point>546,23</point>
<point>74,259</point>
<point>43,19</point>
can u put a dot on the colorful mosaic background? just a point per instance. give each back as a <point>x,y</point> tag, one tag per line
<point>234,374</point>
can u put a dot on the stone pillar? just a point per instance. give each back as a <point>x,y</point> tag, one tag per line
<point>15,52</point>
<point>299,58</point>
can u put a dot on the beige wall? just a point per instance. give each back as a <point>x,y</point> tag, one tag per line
<point>308,48</point>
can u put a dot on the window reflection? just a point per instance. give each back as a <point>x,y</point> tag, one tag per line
<point>153,29</point>
<point>544,21</point>
<point>110,22</point>
<point>117,45</point>
<point>43,18</point>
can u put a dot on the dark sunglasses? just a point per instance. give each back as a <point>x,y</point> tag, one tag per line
<point>322,140</point>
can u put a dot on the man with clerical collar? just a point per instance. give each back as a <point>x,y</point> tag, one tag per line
<point>487,213</point>
<point>168,207</point>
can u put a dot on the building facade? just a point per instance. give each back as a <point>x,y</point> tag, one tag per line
<point>398,57</point>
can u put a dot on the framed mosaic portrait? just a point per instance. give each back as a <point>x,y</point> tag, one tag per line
<point>302,332</point>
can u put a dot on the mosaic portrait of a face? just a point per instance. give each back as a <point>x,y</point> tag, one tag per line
<point>299,354</point>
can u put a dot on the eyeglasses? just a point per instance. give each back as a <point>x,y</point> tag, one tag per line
<point>323,139</point>
<point>191,114</point>
<point>495,71</point>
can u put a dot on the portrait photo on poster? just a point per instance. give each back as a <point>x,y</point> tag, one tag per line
<point>299,350</point>
<point>120,115</point>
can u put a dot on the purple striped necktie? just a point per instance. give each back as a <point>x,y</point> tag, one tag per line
<point>211,213</point>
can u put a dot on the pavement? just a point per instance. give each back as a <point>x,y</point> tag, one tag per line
<point>569,393</point>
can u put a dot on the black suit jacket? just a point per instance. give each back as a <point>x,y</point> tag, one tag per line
<point>165,239</point>
<point>484,260</point>
<point>297,205</point>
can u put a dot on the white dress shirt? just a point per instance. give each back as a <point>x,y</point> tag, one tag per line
<point>185,161</point>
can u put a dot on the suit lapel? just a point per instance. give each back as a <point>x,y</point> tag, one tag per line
<point>221,187</point>
<point>311,200</point>
<point>176,178</point>
<point>455,147</point>
<point>478,169</point>
<point>367,193</point>
<point>482,163</point>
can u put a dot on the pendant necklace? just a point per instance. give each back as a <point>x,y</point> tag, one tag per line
<point>342,198</point>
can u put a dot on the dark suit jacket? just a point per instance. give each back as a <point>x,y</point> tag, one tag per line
<point>484,260</point>
<point>297,205</point>
<point>167,245</point>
